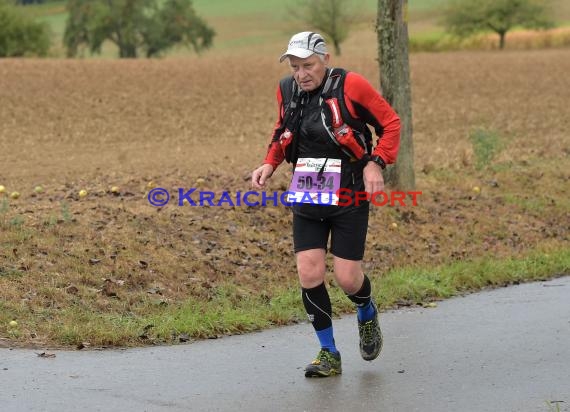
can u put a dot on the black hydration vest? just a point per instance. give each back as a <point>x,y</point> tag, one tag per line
<point>332,114</point>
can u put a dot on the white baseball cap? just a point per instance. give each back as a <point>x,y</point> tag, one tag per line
<point>305,44</point>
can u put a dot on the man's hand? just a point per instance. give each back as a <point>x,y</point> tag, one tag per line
<point>373,179</point>
<point>260,176</point>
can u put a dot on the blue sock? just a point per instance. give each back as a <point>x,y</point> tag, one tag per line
<point>366,312</point>
<point>326,339</point>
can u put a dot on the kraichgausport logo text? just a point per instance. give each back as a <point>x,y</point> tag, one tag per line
<point>160,197</point>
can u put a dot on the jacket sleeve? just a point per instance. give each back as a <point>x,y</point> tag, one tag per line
<point>275,155</point>
<point>365,103</point>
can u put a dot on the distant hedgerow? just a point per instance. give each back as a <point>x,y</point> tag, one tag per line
<point>21,35</point>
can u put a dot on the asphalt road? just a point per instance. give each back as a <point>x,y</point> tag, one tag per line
<point>500,350</point>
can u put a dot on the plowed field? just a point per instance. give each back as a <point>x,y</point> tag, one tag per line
<point>205,122</point>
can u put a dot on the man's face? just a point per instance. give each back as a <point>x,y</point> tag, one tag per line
<point>310,72</point>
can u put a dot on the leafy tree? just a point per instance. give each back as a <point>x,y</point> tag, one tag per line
<point>20,35</point>
<point>149,27</point>
<point>465,17</point>
<point>332,18</point>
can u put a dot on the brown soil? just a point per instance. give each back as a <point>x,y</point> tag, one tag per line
<point>72,125</point>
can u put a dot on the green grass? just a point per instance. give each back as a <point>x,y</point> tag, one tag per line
<point>275,9</point>
<point>532,203</point>
<point>431,35</point>
<point>426,5</point>
<point>228,8</point>
<point>13,273</point>
<point>4,206</point>
<point>553,406</point>
<point>232,20</point>
<point>486,145</point>
<point>56,22</point>
<point>232,8</point>
<point>415,285</point>
<point>231,311</point>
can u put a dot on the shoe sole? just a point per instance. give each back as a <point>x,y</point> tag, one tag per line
<point>322,374</point>
<point>372,356</point>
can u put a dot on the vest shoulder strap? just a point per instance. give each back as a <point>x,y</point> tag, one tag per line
<point>336,89</point>
<point>334,80</point>
<point>289,92</point>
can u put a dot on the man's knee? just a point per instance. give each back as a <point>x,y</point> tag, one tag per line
<point>348,274</point>
<point>311,267</point>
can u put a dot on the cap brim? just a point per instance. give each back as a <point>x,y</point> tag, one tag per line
<point>301,53</point>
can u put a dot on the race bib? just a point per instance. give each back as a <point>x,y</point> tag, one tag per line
<point>315,181</point>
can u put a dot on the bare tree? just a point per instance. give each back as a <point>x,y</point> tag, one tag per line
<point>392,30</point>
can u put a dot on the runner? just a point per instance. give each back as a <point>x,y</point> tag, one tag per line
<point>321,130</point>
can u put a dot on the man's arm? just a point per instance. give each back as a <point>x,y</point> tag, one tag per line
<point>274,156</point>
<point>365,103</point>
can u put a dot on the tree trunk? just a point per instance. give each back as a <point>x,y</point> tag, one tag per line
<point>502,36</point>
<point>127,51</point>
<point>392,30</point>
<point>336,47</point>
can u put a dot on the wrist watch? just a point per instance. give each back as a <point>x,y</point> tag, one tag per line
<point>378,160</point>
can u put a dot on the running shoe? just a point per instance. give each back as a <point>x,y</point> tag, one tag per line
<point>325,364</point>
<point>370,337</point>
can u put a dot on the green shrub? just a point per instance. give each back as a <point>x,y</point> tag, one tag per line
<point>486,144</point>
<point>21,35</point>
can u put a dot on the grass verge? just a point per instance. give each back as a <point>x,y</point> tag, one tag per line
<point>231,311</point>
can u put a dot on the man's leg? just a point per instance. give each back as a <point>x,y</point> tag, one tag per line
<point>347,245</point>
<point>356,285</point>
<point>312,268</point>
<point>310,237</point>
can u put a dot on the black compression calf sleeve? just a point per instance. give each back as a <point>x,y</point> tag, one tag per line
<point>362,297</point>
<point>318,306</point>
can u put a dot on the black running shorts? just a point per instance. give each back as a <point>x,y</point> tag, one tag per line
<point>346,225</point>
